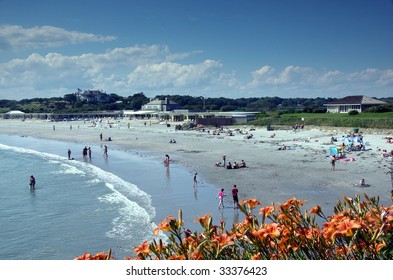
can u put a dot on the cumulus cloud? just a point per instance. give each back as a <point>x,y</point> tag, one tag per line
<point>16,37</point>
<point>155,69</point>
<point>121,70</point>
<point>296,81</point>
<point>174,74</point>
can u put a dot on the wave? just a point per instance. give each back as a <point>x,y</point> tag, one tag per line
<point>134,206</point>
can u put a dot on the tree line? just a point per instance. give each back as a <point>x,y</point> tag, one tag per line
<point>71,104</point>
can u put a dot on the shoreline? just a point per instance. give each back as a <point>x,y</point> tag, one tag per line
<point>271,175</point>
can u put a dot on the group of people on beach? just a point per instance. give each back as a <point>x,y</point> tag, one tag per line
<point>235,165</point>
<point>221,194</point>
<point>297,126</point>
<point>230,165</point>
<point>360,145</point>
<point>86,152</point>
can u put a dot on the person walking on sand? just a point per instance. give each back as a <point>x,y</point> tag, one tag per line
<point>333,163</point>
<point>235,197</point>
<point>220,197</point>
<point>32,182</point>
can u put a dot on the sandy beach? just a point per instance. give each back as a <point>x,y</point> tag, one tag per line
<point>272,175</point>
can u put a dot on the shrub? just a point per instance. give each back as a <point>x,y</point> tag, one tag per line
<point>357,230</point>
<point>353,112</point>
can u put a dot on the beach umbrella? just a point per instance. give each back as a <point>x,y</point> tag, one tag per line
<point>345,140</point>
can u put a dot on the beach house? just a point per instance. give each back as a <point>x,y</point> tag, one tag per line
<point>93,96</point>
<point>356,102</point>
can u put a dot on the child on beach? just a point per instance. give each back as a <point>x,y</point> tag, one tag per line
<point>220,197</point>
<point>166,159</point>
<point>333,163</point>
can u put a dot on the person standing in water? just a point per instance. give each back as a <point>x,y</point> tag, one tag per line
<point>166,159</point>
<point>195,179</point>
<point>69,153</point>
<point>32,182</point>
<point>105,151</point>
<point>220,197</point>
<point>235,197</point>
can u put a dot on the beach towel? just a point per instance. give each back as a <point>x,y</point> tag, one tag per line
<point>347,159</point>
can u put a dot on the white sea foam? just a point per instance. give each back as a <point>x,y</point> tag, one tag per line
<point>68,169</point>
<point>130,214</point>
<point>133,205</point>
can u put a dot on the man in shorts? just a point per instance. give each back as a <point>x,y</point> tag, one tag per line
<point>235,197</point>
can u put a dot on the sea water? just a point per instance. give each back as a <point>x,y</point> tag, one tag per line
<point>89,204</point>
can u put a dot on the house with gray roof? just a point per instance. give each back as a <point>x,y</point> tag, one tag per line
<point>161,105</point>
<point>355,102</point>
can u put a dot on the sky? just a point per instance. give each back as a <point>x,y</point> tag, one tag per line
<point>209,48</point>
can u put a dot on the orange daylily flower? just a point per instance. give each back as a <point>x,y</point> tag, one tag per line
<point>272,230</point>
<point>311,233</point>
<point>88,256</point>
<point>143,248</point>
<point>292,201</point>
<point>379,246</point>
<point>164,225</point>
<point>204,221</point>
<point>178,257</point>
<point>316,210</point>
<point>329,231</point>
<point>251,203</point>
<point>197,255</point>
<point>346,226</point>
<point>85,256</point>
<point>266,211</point>
<point>223,239</point>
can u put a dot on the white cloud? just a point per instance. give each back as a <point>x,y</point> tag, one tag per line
<point>169,74</point>
<point>121,70</point>
<point>154,69</point>
<point>386,78</point>
<point>16,37</point>
<point>266,75</point>
<point>295,81</point>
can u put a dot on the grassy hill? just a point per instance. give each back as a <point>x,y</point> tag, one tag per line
<point>363,120</point>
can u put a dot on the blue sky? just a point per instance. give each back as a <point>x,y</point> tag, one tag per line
<point>210,48</point>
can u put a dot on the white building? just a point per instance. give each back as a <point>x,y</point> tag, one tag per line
<point>357,102</point>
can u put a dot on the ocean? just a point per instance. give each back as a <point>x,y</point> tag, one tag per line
<point>90,205</point>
